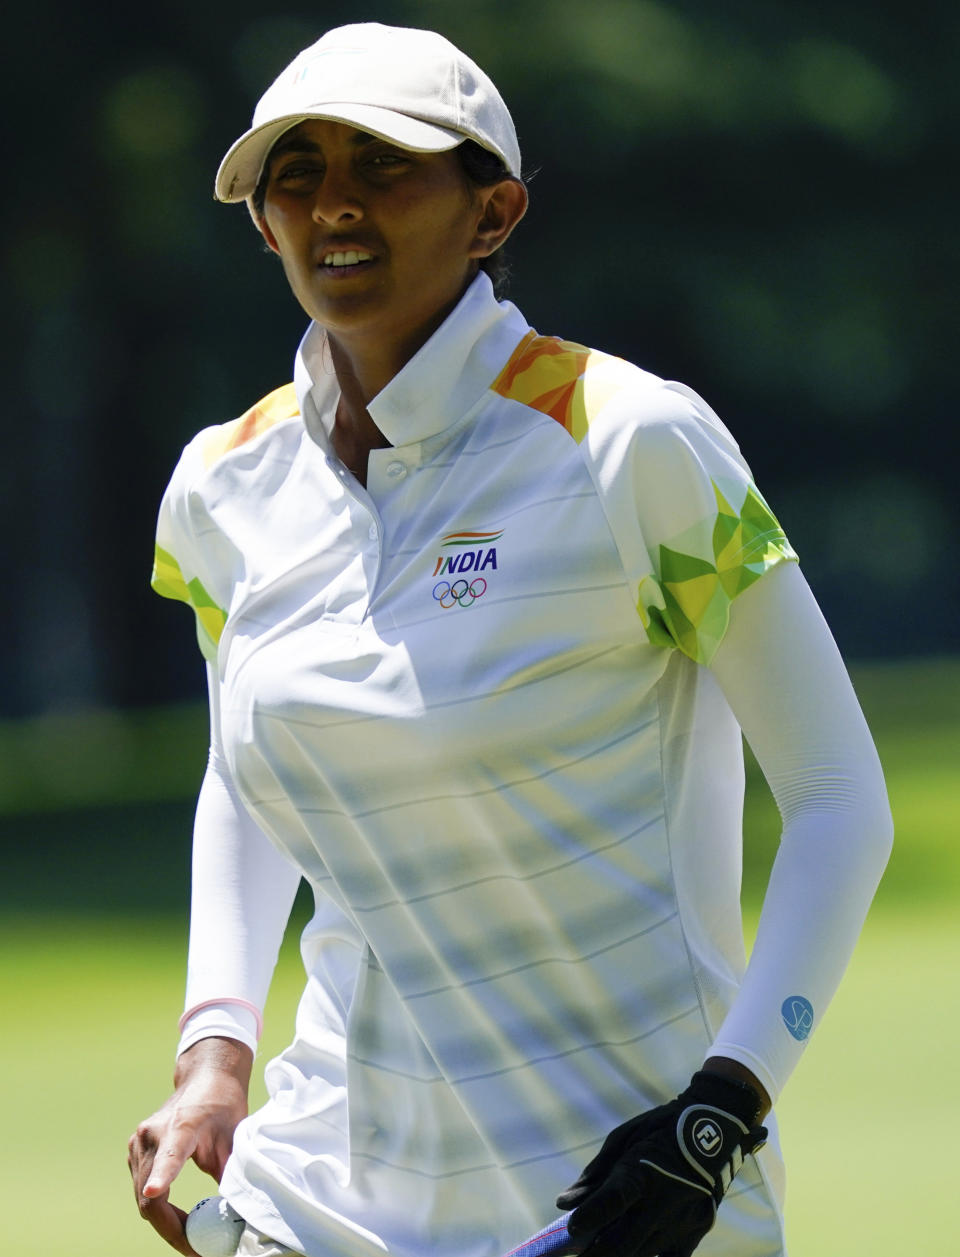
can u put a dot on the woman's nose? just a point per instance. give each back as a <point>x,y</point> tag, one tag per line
<point>336,200</point>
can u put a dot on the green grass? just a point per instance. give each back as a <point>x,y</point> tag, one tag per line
<point>92,1006</point>
<point>91,980</point>
<point>869,1118</point>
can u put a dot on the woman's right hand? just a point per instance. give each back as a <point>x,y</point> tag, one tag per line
<point>198,1121</point>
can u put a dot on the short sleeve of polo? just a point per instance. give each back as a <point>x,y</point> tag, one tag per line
<point>706,531</point>
<point>179,569</point>
<point>193,563</point>
<point>691,526</point>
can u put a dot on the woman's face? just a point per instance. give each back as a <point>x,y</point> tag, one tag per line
<point>375,241</point>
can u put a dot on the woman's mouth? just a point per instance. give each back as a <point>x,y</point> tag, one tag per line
<point>345,261</point>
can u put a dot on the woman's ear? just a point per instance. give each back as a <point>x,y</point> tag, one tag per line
<point>503,204</point>
<point>261,224</point>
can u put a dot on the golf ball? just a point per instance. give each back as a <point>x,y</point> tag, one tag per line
<point>214,1227</point>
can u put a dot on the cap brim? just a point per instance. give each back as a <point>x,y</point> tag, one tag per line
<point>240,170</point>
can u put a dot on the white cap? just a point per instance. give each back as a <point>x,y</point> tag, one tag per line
<point>409,86</point>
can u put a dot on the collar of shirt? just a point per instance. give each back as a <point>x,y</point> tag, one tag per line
<point>440,384</point>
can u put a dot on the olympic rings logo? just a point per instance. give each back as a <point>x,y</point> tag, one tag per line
<point>464,593</point>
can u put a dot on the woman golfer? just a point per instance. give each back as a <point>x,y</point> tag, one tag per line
<point>485,612</point>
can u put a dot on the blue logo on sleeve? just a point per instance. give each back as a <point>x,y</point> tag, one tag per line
<point>797,1015</point>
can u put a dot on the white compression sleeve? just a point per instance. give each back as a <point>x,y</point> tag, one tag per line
<point>241,894</point>
<point>783,677</point>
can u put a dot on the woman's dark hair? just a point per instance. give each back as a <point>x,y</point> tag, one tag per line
<point>480,166</point>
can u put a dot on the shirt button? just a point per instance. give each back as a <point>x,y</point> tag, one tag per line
<point>396,469</point>
<point>373,532</point>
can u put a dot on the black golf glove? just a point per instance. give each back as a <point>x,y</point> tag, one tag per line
<point>654,1187</point>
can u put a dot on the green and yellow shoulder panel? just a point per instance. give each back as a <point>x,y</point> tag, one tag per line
<point>169,582</point>
<point>685,603</point>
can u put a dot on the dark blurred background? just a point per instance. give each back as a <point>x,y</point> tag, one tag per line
<point>751,197</point>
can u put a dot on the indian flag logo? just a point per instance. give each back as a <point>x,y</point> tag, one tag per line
<point>472,552</point>
<point>471,538</point>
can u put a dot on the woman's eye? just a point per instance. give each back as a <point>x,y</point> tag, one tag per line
<point>299,170</point>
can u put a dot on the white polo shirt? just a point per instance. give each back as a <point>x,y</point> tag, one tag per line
<point>467,702</point>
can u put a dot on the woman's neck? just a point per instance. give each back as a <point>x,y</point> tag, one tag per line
<point>354,432</point>
<point>364,367</point>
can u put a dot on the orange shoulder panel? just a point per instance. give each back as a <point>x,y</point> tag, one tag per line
<point>274,408</point>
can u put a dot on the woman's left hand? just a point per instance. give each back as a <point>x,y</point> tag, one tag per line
<point>654,1187</point>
